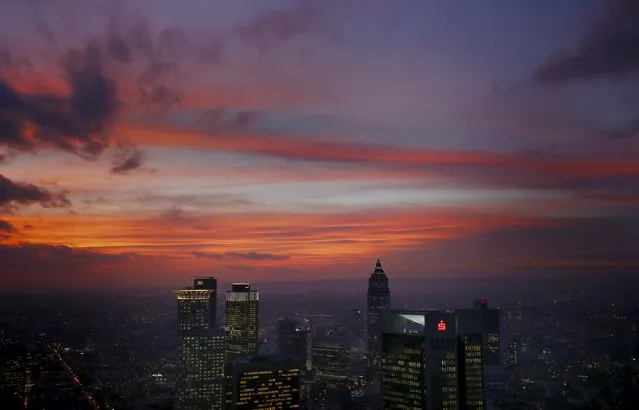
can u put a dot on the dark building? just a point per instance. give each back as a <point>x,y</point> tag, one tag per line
<point>357,323</point>
<point>378,302</point>
<point>331,373</point>
<point>14,360</point>
<point>209,283</point>
<point>431,360</point>
<point>292,341</point>
<point>242,315</point>
<point>262,383</point>
<point>331,363</point>
<point>200,353</point>
<point>487,321</point>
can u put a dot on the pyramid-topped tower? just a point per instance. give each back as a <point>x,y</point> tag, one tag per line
<point>378,302</point>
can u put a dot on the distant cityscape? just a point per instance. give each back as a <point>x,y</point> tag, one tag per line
<point>151,351</point>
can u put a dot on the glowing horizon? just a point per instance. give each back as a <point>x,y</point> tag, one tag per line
<point>302,140</point>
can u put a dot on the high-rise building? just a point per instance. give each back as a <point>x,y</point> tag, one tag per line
<point>200,355</point>
<point>431,360</point>
<point>402,368</point>
<point>262,383</point>
<point>491,333</point>
<point>378,302</point>
<point>487,321</point>
<point>292,341</point>
<point>209,283</point>
<point>242,315</point>
<point>331,363</point>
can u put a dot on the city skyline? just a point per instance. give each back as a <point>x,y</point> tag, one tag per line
<point>285,140</point>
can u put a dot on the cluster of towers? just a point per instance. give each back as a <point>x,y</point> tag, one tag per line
<point>425,359</point>
<point>218,366</point>
<point>429,359</point>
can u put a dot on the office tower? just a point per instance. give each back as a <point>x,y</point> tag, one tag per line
<point>292,341</point>
<point>378,301</point>
<point>242,314</point>
<point>209,283</point>
<point>331,363</point>
<point>491,333</point>
<point>431,360</point>
<point>200,356</point>
<point>486,320</point>
<point>402,367</point>
<point>13,370</point>
<point>262,383</point>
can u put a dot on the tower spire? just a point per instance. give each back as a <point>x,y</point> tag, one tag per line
<point>378,267</point>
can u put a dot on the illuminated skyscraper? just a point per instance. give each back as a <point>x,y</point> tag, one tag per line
<point>200,355</point>
<point>402,369</point>
<point>209,283</point>
<point>431,360</point>
<point>490,331</point>
<point>378,301</point>
<point>242,326</point>
<point>486,321</point>
<point>262,383</point>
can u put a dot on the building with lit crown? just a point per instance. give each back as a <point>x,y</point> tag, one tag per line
<point>378,301</point>
<point>200,353</point>
<point>431,360</point>
<point>209,283</point>
<point>242,320</point>
<point>262,382</point>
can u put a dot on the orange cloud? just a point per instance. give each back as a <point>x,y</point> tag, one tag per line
<point>293,239</point>
<point>309,149</point>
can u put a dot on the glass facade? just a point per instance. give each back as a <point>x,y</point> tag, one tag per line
<point>402,371</point>
<point>432,360</point>
<point>210,284</point>
<point>263,383</point>
<point>242,315</point>
<point>442,381</point>
<point>472,378</point>
<point>200,354</point>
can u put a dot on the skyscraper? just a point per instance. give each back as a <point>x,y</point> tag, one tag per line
<point>331,363</point>
<point>431,360</point>
<point>242,314</point>
<point>378,301</point>
<point>262,383</point>
<point>209,283</point>
<point>331,371</point>
<point>200,356</point>
<point>487,320</point>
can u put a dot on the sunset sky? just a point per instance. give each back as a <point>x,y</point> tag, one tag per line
<point>149,141</point>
